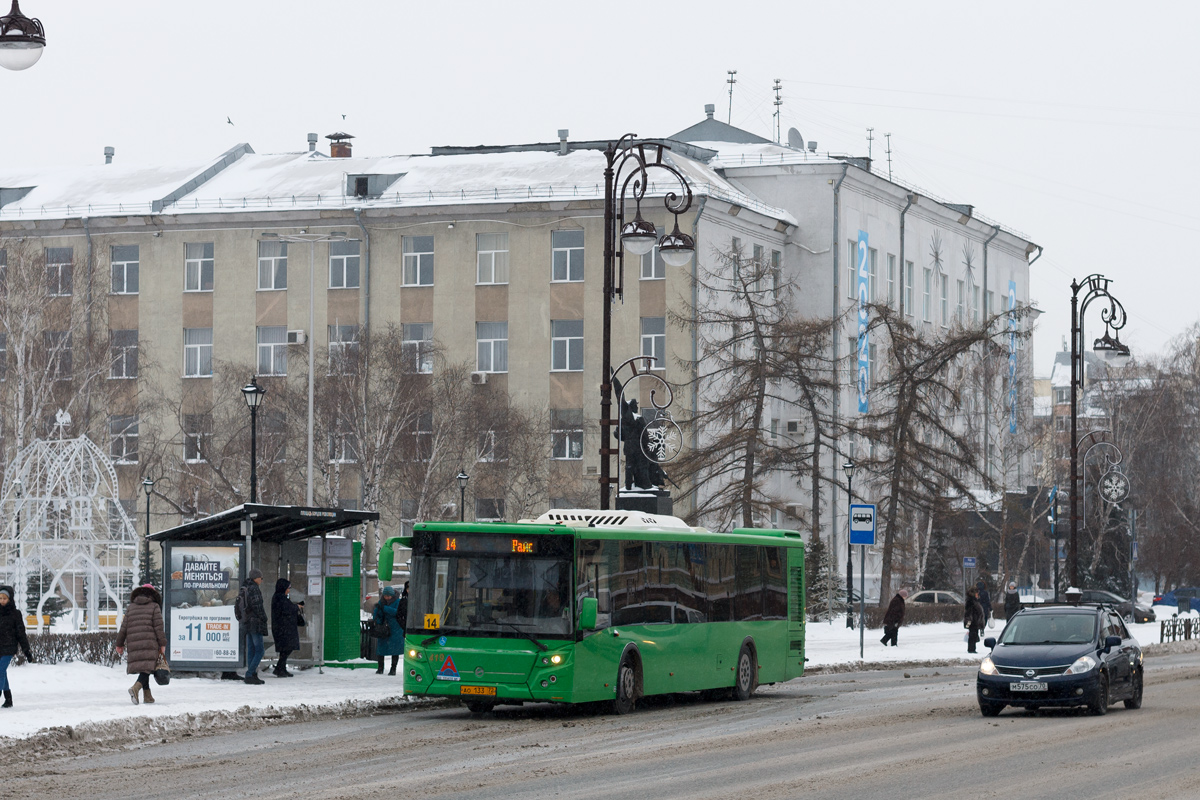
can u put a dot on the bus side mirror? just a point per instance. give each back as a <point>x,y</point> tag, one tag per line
<point>386,557</point>
<point>587,614</point>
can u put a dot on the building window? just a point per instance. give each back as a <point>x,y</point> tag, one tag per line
<point>491,448</point>
<point>891,279</point>
<point>491,258</point>
<point>124,350</point>
<point>926,300</point>
<point>3,268</point>
<point>197,436</point>
<point>272,350</point>
<point>272,265</point>
<point>654,340</point>
<point>1062,396</point>
<point>417,346</point>
<point>491,339</point>
<point>422,432</point>
<point>418,261</point>
<point>59,271</point>
<point>343,448</point>
<point>944,282</point>
<point>975,304</point>
<point>197,352</point>
<point>852,270</point>
<point>909,305</point>
<point>3,359</point>
<point>489,509</point>
<point>566,434</point>
<point>125,269</point>
<point>871,365</point>
<point>273,430</point>
<point>962,298</point>
<point>343,349</point>
<point>566,253</point>
<point>198,267</point>
<point>653,266</point>
<point>566,345</point>
<point>58,351</point>
<point>989,301</point>
<point>873,274</point>
<point>124,433</point>
<point>776,272</point>
<point>343,265</point>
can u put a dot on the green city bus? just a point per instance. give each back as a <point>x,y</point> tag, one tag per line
<point>589,606</point>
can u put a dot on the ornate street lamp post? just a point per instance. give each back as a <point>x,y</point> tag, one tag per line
<point>626,175</point>
<point>254,396</point>
<point>22,40</point>
<point>148,488</point>
<point>462,479</point>
<point>848,468</point>
<point>1113,316</point>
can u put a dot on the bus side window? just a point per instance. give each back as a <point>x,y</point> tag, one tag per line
<point>596,561</point>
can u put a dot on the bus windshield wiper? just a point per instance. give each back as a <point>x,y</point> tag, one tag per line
<point>526,634</point>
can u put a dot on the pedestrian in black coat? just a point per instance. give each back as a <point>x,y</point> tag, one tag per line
<point>894,618</point>
<point>285,625</point>
<point>1012,601</point>
<point>985,599</point>
<point>12,637</point>
<point>973,619</point>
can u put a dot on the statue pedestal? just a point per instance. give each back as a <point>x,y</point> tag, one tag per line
<point>650,501</point>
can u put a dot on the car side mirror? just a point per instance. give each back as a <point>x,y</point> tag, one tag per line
<point>1111,642</point>
<point>587,614</point>
<point>990,643</point>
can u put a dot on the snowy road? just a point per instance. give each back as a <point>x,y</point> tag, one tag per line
<point>848,735</point>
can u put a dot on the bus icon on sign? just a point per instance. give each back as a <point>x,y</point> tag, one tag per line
<point>863,517</point>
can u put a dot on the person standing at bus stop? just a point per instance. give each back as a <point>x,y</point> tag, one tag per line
<point>285,625</point>
<point>256,626</point>
<point>388,611</point>
<point>1012,600</point>
<point>894,618</point>
<point>973,618</point>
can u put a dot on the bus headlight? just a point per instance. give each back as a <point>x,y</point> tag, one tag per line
<point>415,655</point>
<point>556,659</point>
<point>986,667</point>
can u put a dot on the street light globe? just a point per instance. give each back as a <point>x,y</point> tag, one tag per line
<point>848,468</point>
<point>677,248</point>
<point>462,479</point>
<point>148,486</point>
<point>22,40</point>
<point>638,236</point>
<point>253,393</point>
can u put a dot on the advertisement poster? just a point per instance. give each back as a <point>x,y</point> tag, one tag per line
<point>202,585</point>
<point>864,275</point>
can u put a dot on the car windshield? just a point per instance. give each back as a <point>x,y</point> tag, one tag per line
<point>1050,629</point>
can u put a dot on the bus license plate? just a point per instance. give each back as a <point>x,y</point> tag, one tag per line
<point>486,690</point>
<point>1027,686</point>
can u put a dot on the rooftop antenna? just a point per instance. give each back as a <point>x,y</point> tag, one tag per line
<point>870,140</point>
<point>778,103</point>
<point>888,136</point>
<point>732,80</point>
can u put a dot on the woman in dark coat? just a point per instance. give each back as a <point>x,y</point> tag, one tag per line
<point>285,625</point>
<point>893,618</point>
<point>973,619</point>
<point>388,610</point>
<point>12,637</point>
<point>143,635</point>
<point>1012,600</point>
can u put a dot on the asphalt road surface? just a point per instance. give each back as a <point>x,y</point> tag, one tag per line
<point>850,735</point>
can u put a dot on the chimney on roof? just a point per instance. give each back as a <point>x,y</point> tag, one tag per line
<point>312,143</point>
<point>562,141</point>
<point>709,110</point>
<point>109,152</point>
<point>339,144</point>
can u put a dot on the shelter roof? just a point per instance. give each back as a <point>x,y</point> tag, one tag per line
<point>271,523</point>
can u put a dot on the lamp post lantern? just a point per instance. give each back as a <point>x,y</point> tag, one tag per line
<point>626,175</point>
<point>462,479</point>
<point>254,396</point>
<point>1113,316</point>
<point>148,488</point>
<point>22,40</point>
<point>848,468</point>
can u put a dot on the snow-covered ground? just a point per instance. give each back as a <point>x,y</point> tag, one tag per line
<point>73,694</point>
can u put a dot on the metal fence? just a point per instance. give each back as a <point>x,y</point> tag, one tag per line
<point>1179,629</point>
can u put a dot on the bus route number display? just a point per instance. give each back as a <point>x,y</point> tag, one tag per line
<point>475,543</point>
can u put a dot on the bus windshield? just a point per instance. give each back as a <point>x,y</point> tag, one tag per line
<point>480,586</point>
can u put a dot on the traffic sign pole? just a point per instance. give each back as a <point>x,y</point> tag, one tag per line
<point>862,533</point>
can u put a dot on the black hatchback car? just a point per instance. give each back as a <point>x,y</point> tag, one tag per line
<point>1061,655</point>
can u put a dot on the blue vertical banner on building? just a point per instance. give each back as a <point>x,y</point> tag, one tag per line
<point>1012,357</point>
<point>864,362</point>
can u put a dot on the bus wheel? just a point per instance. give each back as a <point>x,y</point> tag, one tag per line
<point>626,688</point>
<point>746,683</point>
<point>479,706</point>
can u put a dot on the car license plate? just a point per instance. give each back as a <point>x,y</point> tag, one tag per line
<point>1027,686</point>
<point>487,690</point>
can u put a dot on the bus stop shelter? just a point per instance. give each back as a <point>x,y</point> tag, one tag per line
<point>205,563</point>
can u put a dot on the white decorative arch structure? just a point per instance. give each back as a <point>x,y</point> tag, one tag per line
<point>64,518</point>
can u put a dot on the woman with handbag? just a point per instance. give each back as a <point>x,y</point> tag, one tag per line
<point>285,625</point>
<point>387,612</point>
<point>143,636</point>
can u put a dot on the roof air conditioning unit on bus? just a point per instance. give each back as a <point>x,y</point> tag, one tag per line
<point>479,378</point>
<point>297,337</point>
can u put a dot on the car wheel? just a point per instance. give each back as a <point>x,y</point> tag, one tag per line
<point>479,706</point>
<point>990,709</point>
<point>746,681</point>
<point>1135,700</point>
<point>1099,704</point>
<point>626,687</point>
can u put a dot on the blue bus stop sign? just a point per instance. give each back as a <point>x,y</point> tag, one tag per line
<point>862,525</point>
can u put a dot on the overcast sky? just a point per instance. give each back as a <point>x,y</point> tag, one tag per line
<point>1069,122</point>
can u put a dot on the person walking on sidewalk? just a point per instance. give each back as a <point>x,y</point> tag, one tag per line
<point>256,626</point>
<point>1012,601</point>
<point>985,599</point>
<point>388,609</point>
<point>285,625</point>
<point>12,638</point>
<point>143,636</point>
<point>894,618</point>
<point>973,619</point>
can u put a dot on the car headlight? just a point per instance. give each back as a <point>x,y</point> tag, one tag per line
<point>987,667</point>
<point>1082,665</point>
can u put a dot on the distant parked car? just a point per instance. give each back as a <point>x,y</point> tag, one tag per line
<point>938,596</point>
<point>1139,612</point>
<point>1172,598</point>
